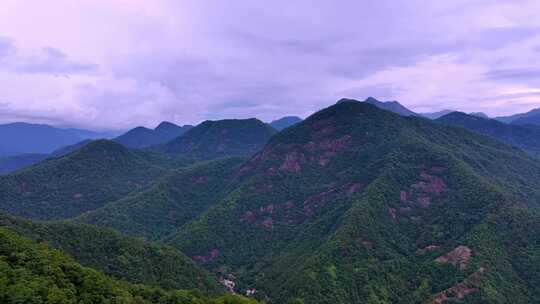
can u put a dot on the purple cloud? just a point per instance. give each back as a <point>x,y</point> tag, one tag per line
<point>139,62</point>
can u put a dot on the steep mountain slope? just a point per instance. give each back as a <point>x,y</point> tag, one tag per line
<point>141,137</point>
<point>527,138</point>
<point>221,138</point>
<point>121,257</point>
<point>359,205</point>
<point>285,122</point>
<point>392,106</point>
<point>67,186</point>
<point>175,200</point>
<point>33,273</point>
<point>23,138</point>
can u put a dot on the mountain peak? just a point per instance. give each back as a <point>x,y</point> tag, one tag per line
<point>221,138</point>
<point>166,126</point>
<point>392,106</point>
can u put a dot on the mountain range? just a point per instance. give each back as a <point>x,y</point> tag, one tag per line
<point>361,202</point>
<point>526,137</point>
<point>520,116</point>
<point>142,137</point>
<point>354,204</point>
<point>21,138</point>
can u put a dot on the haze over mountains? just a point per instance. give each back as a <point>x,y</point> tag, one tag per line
<point>354,204</point>
<point>21,138</point>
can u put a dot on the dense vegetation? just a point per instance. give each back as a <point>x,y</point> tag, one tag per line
<point>221,138</point>
<point>119,256</point>
<point>524,137</point>
<point>352,205</point>
<point>355,204</point>
<point>67,186</point>
<point>32,273</point>
<point>173,201</point>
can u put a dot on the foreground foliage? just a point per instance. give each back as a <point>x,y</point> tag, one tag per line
<point>32,273</point>
<point>118,256</point>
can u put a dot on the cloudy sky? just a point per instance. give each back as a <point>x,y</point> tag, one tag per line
<point>113,64</point>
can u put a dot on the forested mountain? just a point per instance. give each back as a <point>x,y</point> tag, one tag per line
<point>221,138</point>
<point>141,137</point>
<point>525,137</point>
<point>285,122</point>
<point>178,198</point>
<point>119,256</point>
<point>24,138</point>
<point>359,205</point>
<point>354,204</point>
<point>81,181</point>
<point>34,273</point>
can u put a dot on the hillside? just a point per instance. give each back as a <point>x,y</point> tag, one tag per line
<point>221,138</point>
<point>527,138</point>
<point>142,137</point>
<point>359,205</point>
<point>67,186</point>
<point>118,256</point>
<point>34,273</point>
<point>173,201</point>
<point>285,122</point>
<point>25,138</point>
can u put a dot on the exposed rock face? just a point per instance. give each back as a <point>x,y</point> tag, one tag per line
<point>461,289</point>
<point>421,193</point>
<point>458,257</point>
<point>429,248</point>
<point>212,255</point>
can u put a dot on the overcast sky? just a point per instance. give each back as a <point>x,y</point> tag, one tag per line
<point>114,64</point>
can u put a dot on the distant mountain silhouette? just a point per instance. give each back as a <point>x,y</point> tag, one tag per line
<point>524,137</point>
<point>392,106</point>
<point>528,120</point>
<point>141,137</point>
<point>515,117</point>
<point>22,138</point>
<point>435,115</point>
<point>12,163</point>
<point>285,122</point>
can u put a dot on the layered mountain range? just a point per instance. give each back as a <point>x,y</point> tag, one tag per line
<point>354,204</point>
